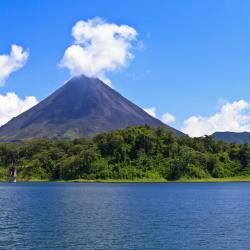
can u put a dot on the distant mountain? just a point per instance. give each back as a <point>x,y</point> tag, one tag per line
<point>240,138</point>
<point>81,107</point>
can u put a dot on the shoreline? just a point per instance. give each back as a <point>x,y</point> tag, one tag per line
<point>183,180</point>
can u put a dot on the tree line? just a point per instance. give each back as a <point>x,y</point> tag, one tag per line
<point>138,152</point>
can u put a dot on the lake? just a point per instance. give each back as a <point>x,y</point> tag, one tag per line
<point>125,216</point>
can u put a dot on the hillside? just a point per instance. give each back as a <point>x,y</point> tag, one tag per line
<point>133,153</point>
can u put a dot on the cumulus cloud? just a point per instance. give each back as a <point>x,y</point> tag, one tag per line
<point>12,62</point>
<point>151,111</point>
<point>231,117</point>
<point>168,118</point>
<point>11,105</point>
<point>99,47</point>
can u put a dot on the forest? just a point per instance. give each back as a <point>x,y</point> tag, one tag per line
<point>134,153</point>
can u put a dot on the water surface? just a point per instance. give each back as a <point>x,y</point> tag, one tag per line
<point>125,216</point>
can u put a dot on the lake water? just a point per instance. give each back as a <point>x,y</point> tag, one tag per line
<point>125,216</point>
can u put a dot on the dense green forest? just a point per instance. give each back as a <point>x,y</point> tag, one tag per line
<point>134,153</point>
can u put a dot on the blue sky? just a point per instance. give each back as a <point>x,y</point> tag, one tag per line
<point>195,57</point>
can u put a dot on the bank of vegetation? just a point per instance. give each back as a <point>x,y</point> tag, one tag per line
<point>136,153</point>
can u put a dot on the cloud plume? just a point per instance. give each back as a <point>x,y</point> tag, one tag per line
<point>99,47</point>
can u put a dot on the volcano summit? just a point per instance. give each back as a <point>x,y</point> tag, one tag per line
<point>81,107</point>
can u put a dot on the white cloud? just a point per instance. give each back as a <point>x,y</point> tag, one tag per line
<point>99,47</point>
<point>231,117</point>
<point>151,111</point>
<point>168,118</point>
<point>11,105</point>
<point>12,62</point>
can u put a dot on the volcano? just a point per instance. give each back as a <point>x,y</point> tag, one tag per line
<point>82,107</point>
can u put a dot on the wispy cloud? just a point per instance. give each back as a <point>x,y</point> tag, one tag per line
<point>166,118</point>
<point>151,111</point>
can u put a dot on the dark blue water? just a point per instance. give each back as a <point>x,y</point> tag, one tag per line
<point>125,216</point>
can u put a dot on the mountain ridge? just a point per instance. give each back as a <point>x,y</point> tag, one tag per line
<point>232,137</point>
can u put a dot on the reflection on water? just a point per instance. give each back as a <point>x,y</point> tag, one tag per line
<point>124,216</point>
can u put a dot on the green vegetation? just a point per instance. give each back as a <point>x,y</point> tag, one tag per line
<point>137,153</point>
